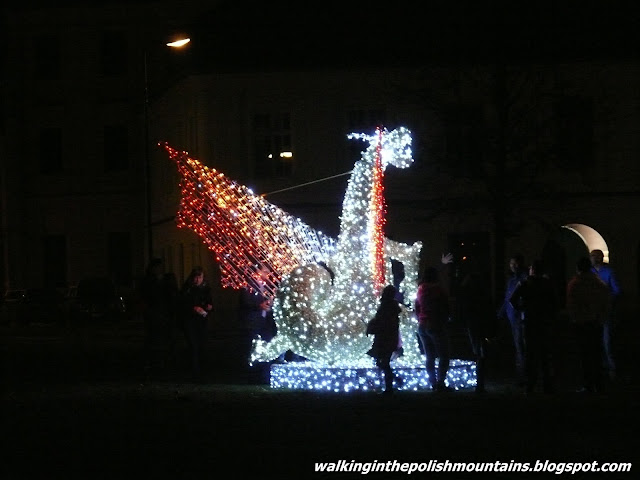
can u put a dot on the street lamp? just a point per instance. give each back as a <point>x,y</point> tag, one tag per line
<point>147,160</point>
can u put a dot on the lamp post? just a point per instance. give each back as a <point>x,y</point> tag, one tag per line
<point>147,159</point>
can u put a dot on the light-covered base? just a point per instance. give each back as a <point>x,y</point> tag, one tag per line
<point>314,376</point>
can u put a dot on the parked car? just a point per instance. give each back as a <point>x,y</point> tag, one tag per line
<point>42,305</point>
<point>11,301</point>
<point>98,298</point>
<point>32,305</point>
<point>14,295</point>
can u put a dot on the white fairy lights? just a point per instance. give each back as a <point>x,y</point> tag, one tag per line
<point>324,319</point>
<point>324,290</point>
<point>311,376</point>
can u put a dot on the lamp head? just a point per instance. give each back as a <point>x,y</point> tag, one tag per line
<point>178,43</point>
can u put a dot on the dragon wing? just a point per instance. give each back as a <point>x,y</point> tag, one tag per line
<point>245,231</point>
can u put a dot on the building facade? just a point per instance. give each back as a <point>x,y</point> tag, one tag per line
<point>74,88</point>
<point>556,168</point>
<point>537,157</point>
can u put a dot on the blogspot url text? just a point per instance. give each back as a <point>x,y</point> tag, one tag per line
<point>437,466</point>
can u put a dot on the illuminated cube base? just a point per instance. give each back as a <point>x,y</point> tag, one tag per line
<point>313,376</point>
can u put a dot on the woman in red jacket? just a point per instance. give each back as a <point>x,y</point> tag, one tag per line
<point>432,310</point>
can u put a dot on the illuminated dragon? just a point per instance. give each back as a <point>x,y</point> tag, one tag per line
<point>324,290</point>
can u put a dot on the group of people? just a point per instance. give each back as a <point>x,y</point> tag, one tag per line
<point>166,308</point>
<point>432,312</point>
<point>530,305</point>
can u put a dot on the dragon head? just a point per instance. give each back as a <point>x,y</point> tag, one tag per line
<point>395,146</point>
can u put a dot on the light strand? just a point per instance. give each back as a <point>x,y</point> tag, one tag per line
<point>324,289</point>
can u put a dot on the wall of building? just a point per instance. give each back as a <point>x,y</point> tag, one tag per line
<point>211,116</point>
<point>82,201</point>
<point>427,202</point>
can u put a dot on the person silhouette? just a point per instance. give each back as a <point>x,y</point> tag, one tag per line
<point>432,310</point>
<point>385,327</point>
<point>476,312</point>
<point>155,314</point>
<point>588,308</point>
<point>536,298</point>
<point>610,279</point>
<point>513,314</point>
<point>196,305</point>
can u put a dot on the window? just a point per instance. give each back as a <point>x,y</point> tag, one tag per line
<point>113,54</point>
<point>463,140</point>
<point>116,148</point>
<point>50,150</point>
<point>47,57</point>
<point>272,145</point>
<point>574,132</point>
<point>119,257</point>
<point>55,261</point>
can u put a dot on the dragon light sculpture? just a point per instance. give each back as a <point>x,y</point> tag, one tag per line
<point>324,290</point>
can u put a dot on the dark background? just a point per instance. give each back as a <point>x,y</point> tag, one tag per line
<point>77,402</point>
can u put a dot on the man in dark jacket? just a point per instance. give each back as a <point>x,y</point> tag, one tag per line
<point>477,313</point>
<point>512,313</point>
<point>536,298</point>
<point>588,303</point>
<point>196,305</point>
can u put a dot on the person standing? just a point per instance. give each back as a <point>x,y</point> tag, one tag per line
<point>432,311</point>
<point>476,312</point>
<point>513,314</point>
<point>536,298</point>
<point>385,327</point>
<point>155,314</point>
<point>170,299</point>
<point>197,304</point>
<point>255,312</point>
<point>588,308</point>
<point>608,276</point>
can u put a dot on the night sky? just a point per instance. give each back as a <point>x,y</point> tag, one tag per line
<point>286,33</point>
<point>373,33</point>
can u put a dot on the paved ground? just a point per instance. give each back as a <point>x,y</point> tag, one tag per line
<point>77,403</point>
